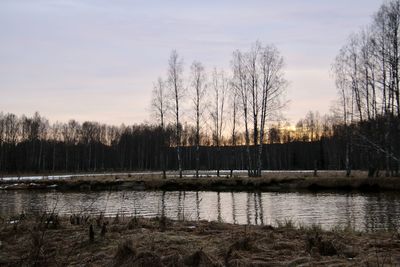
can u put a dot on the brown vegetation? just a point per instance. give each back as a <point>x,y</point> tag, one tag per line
<point>53,241</point>
<point>268,182</point>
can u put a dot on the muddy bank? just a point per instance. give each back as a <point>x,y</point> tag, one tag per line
<point>270,182</point>
<point>98,241</point>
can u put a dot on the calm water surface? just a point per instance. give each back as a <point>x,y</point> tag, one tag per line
<point>362,211</point>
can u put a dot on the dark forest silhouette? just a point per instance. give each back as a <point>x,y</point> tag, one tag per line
<point>32,145</point>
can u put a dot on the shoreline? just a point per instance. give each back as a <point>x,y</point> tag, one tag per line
<point>133,241</point>
<point>272,181</point>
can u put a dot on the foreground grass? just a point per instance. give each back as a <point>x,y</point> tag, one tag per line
<point>97,241</point>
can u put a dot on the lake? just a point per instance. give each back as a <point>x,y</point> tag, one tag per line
<point>362,211</point>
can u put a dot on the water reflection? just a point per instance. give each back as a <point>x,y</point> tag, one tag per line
<point>197,206</point>
<point>382,212</point>
<point>233,208</point>
<point>360,211</point>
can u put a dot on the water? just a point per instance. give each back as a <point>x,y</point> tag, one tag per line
<point>187,173</point>
<point>365,212</point>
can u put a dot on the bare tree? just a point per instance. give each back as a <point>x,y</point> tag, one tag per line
<point>233,108</point>
<point>273,85</point>
<point>55,135</point>
<point>160,107</point>
<point>367,74</point>
<point>175,81</point>
<point>367,78</point>
<point>220,86</point>
<point>341,81</point>
<point>70,134</point>
<point>199,89</point>
<point>313,125</point>
<point>260,83</point>
<point>88,132</point>
<point>391,25</point>
<point>240,85</point>
<point>252,58</point>
<point>160,101</point>
<point>40,132</point>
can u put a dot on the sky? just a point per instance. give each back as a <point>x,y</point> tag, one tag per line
<point>97,59</point>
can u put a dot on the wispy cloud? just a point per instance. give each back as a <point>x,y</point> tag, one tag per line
<point>81,57</point>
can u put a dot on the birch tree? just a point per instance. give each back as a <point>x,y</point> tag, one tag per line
<point>240,85</point>
<point>199,87</point>
<point>260,84</point>
<point>220,86</point>
<point>234,110</point>
<point>273,85</point>
<point>175,82</point>
<point>341,82</point>
<point>160,107</point>
<point>160,101</point>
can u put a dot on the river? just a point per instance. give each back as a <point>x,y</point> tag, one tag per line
<point>361,211</point>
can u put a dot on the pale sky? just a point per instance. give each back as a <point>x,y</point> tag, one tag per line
<point>97,59</point>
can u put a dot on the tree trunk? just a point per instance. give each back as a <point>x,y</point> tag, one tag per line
<point>54,157</point>
<point>197,160</point>
<point>249,165</point>
<point>348,166</point>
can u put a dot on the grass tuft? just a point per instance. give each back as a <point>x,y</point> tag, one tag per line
<point>125,251</point>
<point>286,224</point>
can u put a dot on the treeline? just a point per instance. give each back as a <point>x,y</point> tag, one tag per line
<point>33,145</point>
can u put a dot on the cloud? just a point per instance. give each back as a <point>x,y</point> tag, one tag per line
<point>98,59</point>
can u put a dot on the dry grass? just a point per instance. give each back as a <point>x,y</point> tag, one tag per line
<point>151,242</point>
<point>330,180</point>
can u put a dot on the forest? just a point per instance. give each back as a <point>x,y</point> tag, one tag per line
<point>32,145</point>
<point>233,119</point>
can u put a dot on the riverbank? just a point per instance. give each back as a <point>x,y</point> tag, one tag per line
<point>271,181</point>
<point>97,241</point>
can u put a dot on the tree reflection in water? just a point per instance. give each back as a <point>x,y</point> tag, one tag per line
<point>370,211</point>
